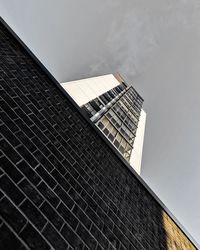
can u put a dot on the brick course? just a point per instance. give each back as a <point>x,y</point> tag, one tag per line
<point>62,186</point>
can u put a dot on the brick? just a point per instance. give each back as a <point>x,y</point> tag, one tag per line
<point>43,160</point>
<point>104,206</point>
<point>111,247</point>
<point>31,192</point>
<point>26,141</point>
<point>73,170</point>
<point>56,240</point>
<point>47,177</point>
<point>8,110</point>
<point>36,111</point>
<point>37,122</point>
<point>57,164</point>
<point>33,214</point>
<point>52,138</point>
<point>89,200</point>
<point>72,237</point>
<point>59,178</point>
<point>48,194</point>
<point>114,218</point>
<point>55,152</point>
<point>8,134</point>
<point>99,237</point>
<point>121,237</point>
<point>23,116</point>
<point>30,174</point>
<point>48,122</point>
<point>67,215</point>
<point>66,199</point>
<point>109,202</point>
<point>111,237</point>
<point>74,183</point>
<point>8,240</point>
<point>8,99</point>
<point>20,88</point>
<point>77,198</point>
<point>33,239</point>
<point>105,218</point>
<point>6,89</point>
<point>52,215</point>
<point>20,102</point>
<point>86,236</point>
<point>10,169</point>
<point>41,146</point>
<point>94,217</point>
<point>1,193</point>
<point>86,248</point>
<point>86,186</point>
<point>12,215</point>
<point>39,133</point>
<point>36,104</point>
<point>11,190</point>
<point>19,122</point>
<point>27,156</point>
<point>82,216</point>
<point>9,151</point>
<point>70,159</point>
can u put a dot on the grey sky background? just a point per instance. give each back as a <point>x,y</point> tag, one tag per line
<point>155,45</point>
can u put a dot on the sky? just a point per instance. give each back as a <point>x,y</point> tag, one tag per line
<point>155,46</point>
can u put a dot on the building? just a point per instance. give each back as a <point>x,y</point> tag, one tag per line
<point>116,109</point>
<point>59,190</point>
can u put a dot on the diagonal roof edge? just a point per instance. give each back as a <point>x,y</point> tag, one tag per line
<point>51,77</point>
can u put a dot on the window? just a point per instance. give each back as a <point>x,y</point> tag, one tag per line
<point>100,125</point>
<point>89,109</point>
<point>106,131</point>
<point>116,143</point>
<point>121,149</point>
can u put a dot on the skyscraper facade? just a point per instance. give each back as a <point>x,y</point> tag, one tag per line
<point>116,109</point>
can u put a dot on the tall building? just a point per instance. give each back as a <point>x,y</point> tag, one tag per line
<point>62,184</point>
<point>116,109</point>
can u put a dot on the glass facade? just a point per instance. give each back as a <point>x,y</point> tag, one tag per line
<point>116,113</point>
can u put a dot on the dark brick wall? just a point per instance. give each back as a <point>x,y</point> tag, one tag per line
<point>62,186</point>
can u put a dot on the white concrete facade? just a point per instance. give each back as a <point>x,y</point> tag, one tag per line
<point>136,155</point>
<point>85,90</point>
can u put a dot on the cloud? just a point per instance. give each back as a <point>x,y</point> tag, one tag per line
<point>138,30</point>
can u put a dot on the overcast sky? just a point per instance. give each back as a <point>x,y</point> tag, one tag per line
<point>155,45</point>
